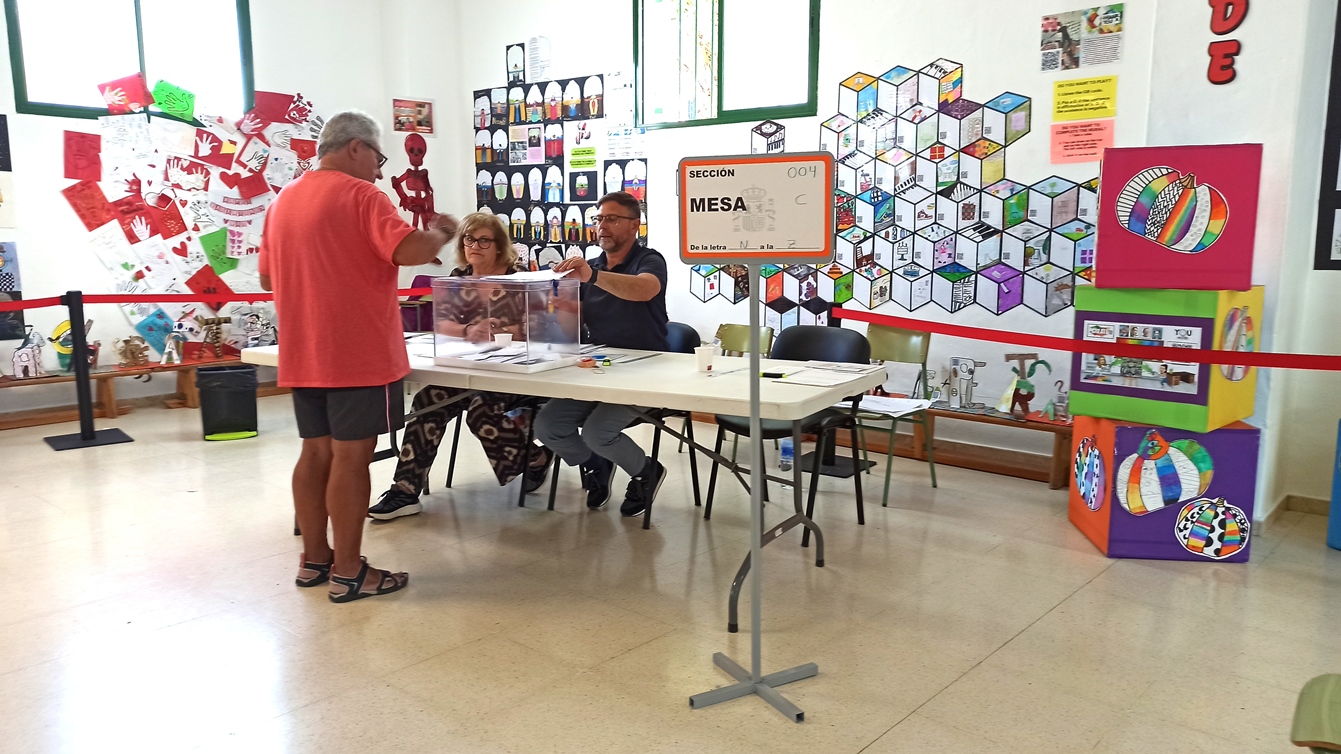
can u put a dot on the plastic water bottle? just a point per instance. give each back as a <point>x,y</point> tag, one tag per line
<point>787,454</point>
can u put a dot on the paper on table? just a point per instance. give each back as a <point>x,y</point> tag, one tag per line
<point>879,404</point>
<point>819,377</point>
<point>844,367</point>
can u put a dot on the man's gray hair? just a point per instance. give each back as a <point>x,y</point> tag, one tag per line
<point>347,126</point>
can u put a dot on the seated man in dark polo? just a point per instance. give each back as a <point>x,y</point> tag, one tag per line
<point>623,306</point>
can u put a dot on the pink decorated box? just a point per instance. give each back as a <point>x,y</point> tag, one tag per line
<point>1178,217</point>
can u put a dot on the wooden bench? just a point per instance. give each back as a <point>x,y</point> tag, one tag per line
<point>105,403</point>
<point>1055,473</point>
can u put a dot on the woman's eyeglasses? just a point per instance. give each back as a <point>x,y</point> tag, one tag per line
<point>481,243</point>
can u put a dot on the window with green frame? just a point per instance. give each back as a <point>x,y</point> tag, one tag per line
<point>60,51</point>
<point>701,62</point>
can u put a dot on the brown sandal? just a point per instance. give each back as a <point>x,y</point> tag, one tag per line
<point>312,574</point>
<point>354,587</point>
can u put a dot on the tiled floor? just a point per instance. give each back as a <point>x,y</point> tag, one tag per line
<point>148,606</point>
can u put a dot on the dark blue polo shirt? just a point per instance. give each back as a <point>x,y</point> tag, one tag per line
<point>619,323</point>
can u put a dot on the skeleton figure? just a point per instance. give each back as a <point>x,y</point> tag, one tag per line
<point>212,327</point>
<point>412,186</point>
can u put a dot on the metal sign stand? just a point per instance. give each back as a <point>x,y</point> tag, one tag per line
<point>753,681</point>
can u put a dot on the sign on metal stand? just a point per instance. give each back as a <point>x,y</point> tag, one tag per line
<point>756,210</point>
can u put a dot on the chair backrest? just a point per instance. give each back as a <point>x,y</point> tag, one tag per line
<point>819,343</point>
<point>681,338</point>
<point>898,345</point>
<point>736,339</point>
<point>422,281</point>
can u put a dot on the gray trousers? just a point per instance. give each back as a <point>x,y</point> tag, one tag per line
<point>602,428</point>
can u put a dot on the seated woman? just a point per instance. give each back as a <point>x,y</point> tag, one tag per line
<point>482,248</point>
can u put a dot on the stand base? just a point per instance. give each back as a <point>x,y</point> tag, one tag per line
<point>764,688</point>
<point>841,467</point>
<point>76,440</point>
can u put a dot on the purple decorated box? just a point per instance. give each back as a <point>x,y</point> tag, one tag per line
<point>1152,492</point>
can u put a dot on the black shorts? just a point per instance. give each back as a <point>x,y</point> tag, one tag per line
<point>349,413</point>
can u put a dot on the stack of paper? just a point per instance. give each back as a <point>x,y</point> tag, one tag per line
<point>878,404</point>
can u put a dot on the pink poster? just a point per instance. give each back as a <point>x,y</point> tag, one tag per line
<point>1178,217</point>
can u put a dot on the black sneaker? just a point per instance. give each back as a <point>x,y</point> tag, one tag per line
<point>596,475</point>
<point>643,489</point>
<point>393,504</point>
<point>536,475</point>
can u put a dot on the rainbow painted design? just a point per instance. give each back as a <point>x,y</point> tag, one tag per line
<point>1163,473</point>
<point>1169,208</point>
<point>1212,528</point>
<point>1237,335</point>
<point>1091,480</point>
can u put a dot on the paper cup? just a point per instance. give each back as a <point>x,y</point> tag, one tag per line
<point>503,340</point>
<point>705,354</point>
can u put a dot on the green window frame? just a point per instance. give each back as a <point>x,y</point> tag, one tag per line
<point>745,115</point>
<point>17,67</point>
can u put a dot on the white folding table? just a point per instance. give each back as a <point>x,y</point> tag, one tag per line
<point>661,381</point>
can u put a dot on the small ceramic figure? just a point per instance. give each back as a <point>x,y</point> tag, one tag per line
<point>212,327</point>
<point>134,351</point>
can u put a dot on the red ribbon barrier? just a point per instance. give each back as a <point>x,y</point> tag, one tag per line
<point>1151,353</point>
<point>154,298</point>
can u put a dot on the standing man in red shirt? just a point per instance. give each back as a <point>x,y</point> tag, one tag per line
<point>330,252</point>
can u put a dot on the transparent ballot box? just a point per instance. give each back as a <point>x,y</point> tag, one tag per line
<point>525,322</point>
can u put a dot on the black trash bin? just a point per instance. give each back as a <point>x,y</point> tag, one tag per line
<point>227,401</point>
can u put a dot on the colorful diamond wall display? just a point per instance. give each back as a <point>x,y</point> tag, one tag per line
<point>926,209</point>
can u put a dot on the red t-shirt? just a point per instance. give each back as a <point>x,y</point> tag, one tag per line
<point>328,242</point>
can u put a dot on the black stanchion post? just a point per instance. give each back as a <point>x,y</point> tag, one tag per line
<point>87,437</point>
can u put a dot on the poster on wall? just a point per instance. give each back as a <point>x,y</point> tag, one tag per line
<point>11,323</point>
<point>1080,38</point>
<point>1187,214</point>
<point>1168,380</point>
<point>10,282</point>
<point>526,145</point>
<point>412,116</point>
<point>1081,141</point>
<point>516,63</point>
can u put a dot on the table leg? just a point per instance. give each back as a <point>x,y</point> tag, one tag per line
<point>107,398</point>
<point>1061,450</point>
<point>186,388</point>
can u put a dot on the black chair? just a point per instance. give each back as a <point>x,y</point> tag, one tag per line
<point>806,343</point>
<point>680,338</point>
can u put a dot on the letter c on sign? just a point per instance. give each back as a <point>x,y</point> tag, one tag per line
<point>1222,53</point>
<point>799,197</point>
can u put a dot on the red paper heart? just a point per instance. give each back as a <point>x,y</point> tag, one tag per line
<point>182,202</point>
<point>181,250</point>
<point>230,179</point>
<point>196,228</point>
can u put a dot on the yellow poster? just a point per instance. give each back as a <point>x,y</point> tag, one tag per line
<point>1084,99</point>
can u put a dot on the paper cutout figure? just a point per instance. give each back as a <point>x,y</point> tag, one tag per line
<point>172,347</point>
<point>126,95</point>
<point>215,245</point>
<point>174,100</point>
<point>211,329</point>
<point>9,268</point>
<point>1163,473</point>
<point>1212,528</point>
<point>253,155</point>
<point>1237,335</point>
<point>207,282</point>
<point>82,160</point>
<point>89,203</point>
<point>186,174</point>
<point>412,186</point>
<point>257,329</point>
<point>1170,209</point>
<point>134,218</point>
<point>306,149</point>
<point>214,150</point>
<point>134,351</point>
<point>248,186</point>
<point>27,361</point>
<point>154,329</point>
<point>1090,475</point>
